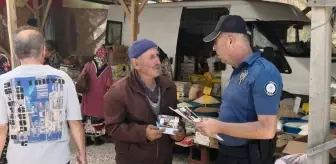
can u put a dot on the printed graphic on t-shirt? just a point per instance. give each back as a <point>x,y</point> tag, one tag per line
<point>36,109</point>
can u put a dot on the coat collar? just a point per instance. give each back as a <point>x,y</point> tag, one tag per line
<point>163,82</point>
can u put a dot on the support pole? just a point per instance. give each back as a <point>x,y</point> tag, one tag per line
<point>45,14</point>
<point>37,12</point>
<point>142,6</point>
<point>134,20</point>
<point>12,26</point>
<point>133,16</point>
<point>319,86</point>
<point>126,9</point>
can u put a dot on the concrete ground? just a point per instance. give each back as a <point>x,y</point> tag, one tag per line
<point>104,154</point>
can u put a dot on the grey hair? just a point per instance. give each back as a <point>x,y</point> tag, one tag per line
<point>28,42</point>
<point>242,37</point>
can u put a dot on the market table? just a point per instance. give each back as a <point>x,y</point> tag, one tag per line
<point>205,152</point>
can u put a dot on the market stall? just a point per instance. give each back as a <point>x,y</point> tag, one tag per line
<point>201,94</point>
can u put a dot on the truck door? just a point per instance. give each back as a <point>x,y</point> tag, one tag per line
<point>159,24</point>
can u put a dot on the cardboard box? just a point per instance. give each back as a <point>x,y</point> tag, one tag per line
<point>287,109</point>
<point>299,145</point>
<point>119,48</point>
<point>205,140</point>
<point>182,86</point>
<point>118,55</point>
<point>284,138</point>
<point>116,58</point>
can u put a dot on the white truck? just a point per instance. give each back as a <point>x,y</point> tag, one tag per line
<point>281,30</point>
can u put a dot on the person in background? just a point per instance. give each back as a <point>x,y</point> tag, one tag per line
<point>52,57</point>
<point>45,100</point>
<point>166,69</point>
<point>248,114</point>
<point>100,80</point>
<point>4,68</point>
<point>211,62</point>
<point>132,106</point>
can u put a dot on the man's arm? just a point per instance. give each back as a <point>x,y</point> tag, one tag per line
<point>116,118</point>
<point>3,136</point>
<point>74,117</point>
<point>266,93</point>
<point>264,128</point>
<point>77,131</point>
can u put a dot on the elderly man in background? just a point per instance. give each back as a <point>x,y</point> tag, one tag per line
<point>36,102</point>
<point>132,105</point>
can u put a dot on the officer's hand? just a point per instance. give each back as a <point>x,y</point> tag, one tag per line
<point>153,132</point>
<point>179,134</point>
<point>208,127</point>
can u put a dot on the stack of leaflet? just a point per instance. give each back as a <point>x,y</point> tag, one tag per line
<point>190,116</point>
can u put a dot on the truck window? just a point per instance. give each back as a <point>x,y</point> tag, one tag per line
<point>294,37</point>
<point>270,51</point>
<point>300,37</point>
<point>113,32</point>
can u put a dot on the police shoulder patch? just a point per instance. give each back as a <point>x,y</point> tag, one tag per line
<point>271,88</point>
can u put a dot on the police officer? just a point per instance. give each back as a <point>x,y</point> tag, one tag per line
<point>247,120</point>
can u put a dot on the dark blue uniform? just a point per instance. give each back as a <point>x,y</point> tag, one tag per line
<point>254,89</point>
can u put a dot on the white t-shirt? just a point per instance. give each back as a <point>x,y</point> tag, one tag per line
<point>36,101</point>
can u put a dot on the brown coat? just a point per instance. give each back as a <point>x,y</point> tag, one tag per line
<point>127,114</point>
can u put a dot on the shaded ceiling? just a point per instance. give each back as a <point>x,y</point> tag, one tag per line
<point>55,3</point>
<point>128,2</point>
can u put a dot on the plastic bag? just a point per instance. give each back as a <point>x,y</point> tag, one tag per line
<point>293,159</point>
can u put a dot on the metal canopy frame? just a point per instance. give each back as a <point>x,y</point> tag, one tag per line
<point>321,3</point>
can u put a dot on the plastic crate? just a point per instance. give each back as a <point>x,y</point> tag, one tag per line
<point>294,130</point>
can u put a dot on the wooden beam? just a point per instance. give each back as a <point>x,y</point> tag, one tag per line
<point>37,13</point>
<point>126,9</point>
<point>142,6</point>
<point>45,14</point>
<point>319,86</point>
<point>40,7</point>
<point>306,10</point>
<point>134,21</point>
<point>12,26</point>
<point>30,8</point>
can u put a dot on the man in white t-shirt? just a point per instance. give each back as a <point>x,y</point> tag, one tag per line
<point>36,102</point>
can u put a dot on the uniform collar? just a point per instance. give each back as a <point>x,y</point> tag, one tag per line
<point>250,59</point>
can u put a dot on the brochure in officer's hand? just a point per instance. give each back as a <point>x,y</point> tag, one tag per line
<point>190,116</point>
<point>169,123</point>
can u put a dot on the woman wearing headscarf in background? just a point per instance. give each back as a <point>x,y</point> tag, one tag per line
<point>166,69</point>
<point>100,80</point>
<point>4,68</point>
